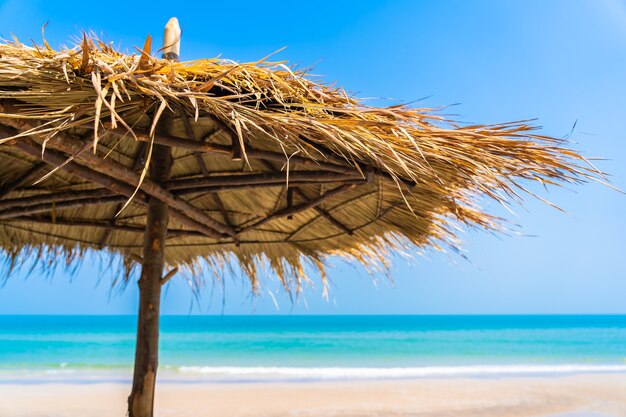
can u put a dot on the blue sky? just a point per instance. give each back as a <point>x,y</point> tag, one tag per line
<point>560,62</point>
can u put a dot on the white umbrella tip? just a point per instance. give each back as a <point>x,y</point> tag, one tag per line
<point>173,25</point>
<point>171,40</point>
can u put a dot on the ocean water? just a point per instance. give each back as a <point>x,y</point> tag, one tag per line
<point>260,348</point>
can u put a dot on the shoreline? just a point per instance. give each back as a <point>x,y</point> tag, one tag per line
<point>598,394</point>
<point>312,375</point>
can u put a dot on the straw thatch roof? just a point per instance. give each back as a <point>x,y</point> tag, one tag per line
<point>271,169</point>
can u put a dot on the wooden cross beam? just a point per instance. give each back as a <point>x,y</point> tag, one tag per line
<point>106,196</point>
<point>279,178</point>
<point>36,170</point>
<point>56,197</point>
<point>205,147</point>
<point>101,225</point>
<point>320,210</point>
<point>218,188</point>
<point>61,205</point>
<point>326,214</point>
<point>289,211</point>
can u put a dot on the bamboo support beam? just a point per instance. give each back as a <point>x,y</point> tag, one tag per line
<point>215,189</point>
<point>320,210</point>
<point>106,196</point>
<point>169,276</point>
<point>72,197</point>
<point>61,205</point>
<point>140,156</point>
<point>100,225</point>
<point>332,156</point>
<point>236,151</point>
<point>289,211</point>
<point>22,179</point>
<point>301,160</point>
<point>106,234</point>
<point>251,153</point>
<point>378,217</point>
<point>235,146</point>
<point>265,178</point>
<point>290,201</point>
<point>338,166</point>
<point>222,209</point>
<point>326,215</point>
<point>56,160</point>
<point>171,141</point>
<point>201,164</point>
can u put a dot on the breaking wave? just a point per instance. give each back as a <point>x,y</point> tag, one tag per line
<point>377,373</point>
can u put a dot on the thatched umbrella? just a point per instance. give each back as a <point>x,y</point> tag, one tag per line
<point>202,164</point>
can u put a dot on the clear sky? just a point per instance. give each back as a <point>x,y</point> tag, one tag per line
<point>559,61</point>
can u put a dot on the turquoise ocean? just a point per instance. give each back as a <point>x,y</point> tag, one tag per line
<point>36,349</point>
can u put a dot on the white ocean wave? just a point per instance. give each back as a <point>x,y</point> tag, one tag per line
<point>59,371</point>
<point>412,372</point>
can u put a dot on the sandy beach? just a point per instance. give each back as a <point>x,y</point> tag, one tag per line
<point>580,396</point>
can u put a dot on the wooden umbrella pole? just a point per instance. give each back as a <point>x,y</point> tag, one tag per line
<point>141,399</point>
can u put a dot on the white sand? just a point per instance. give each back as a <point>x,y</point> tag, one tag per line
<point>580,396</point>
